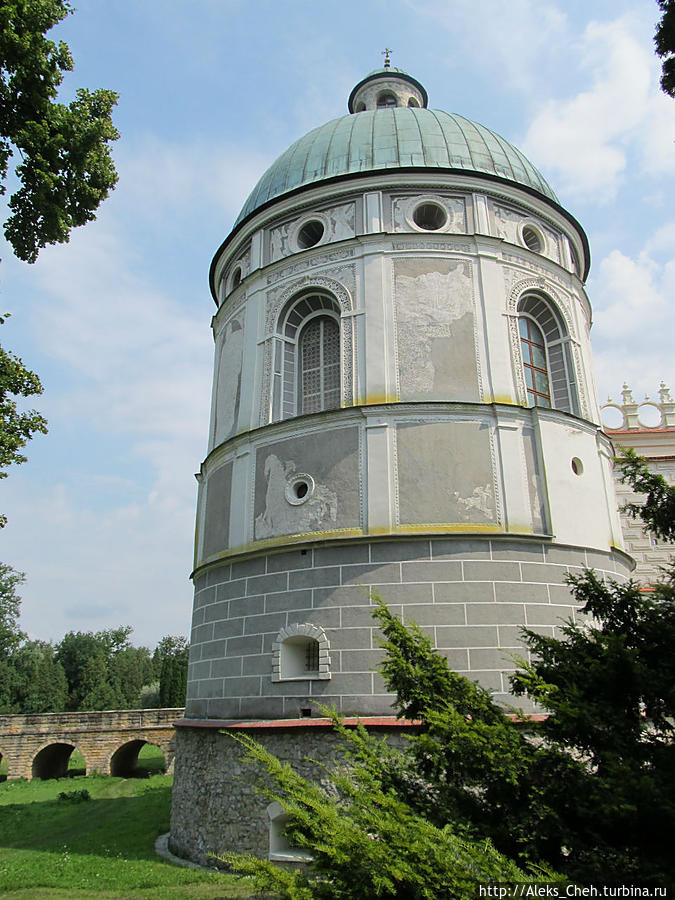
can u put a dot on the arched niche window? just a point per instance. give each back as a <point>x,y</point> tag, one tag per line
<point>307,367</point>
<point>546,355</point>
<point>386,99</point>
<point>301,652</point>
<point>281,848</point>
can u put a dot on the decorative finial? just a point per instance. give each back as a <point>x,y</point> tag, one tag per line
<point>387,57</point>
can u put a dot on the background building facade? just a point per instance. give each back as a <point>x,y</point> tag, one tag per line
<point>648,426</point>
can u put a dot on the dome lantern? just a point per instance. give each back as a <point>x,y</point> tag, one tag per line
<point>387,88</point>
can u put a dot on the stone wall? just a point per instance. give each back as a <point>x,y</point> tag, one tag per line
<point>215,806</point>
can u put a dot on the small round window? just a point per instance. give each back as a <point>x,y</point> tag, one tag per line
<point>386,99</point>
<point>310,234</point>
<point>532,239</point>
<point>577,466</point>
<point>299,489</point>
<point>236,278</point>
<point>430,216</point>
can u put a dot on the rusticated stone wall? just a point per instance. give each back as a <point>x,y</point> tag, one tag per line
<point>470,595</point>
<point>109,741</point>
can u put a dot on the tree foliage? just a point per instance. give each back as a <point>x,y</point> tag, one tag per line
<point>609,685</point>
<point>664,39</point>
<point>103,670</point>
<point>65,169</point>
<point>16,426</point>
<point>10,607</point>
<point>171,656</point>
<point>365,841</point>
<point>657,509</point>
<point>85,670</point>
<point>39,683</point>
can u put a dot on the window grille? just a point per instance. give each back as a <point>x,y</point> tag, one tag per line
<point>319,381</point>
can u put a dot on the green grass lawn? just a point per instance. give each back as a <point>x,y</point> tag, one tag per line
<point>101,848</point>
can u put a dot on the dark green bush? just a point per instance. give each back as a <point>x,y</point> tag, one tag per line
<point>75,796</point>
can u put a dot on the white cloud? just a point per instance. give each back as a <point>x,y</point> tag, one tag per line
<point>90,569</point>
<point>513,42</point>
<point>102,520</point>
<point>164,183</point>
<point>634,321</point>
<point>141,358</point>
<point>620,124</point>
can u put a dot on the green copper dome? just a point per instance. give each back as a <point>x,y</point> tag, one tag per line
<point>393,138</point>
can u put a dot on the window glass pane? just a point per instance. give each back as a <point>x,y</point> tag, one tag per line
<point>525,350</point>
<point>535,333</point>
<point>538,357</point>
<point>541,381</point>
<point>529,380</point>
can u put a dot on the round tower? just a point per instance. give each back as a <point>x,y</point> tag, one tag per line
<point>403,405</point>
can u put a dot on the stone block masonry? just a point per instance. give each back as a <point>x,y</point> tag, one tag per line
<point>473,594</point>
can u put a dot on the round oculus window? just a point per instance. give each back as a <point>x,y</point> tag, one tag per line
<point>299,489</point>
<point>577,466</point>
<point>532,239</point>
<point>430,216</point>
<point>310,234</point>
<point>236,278</point>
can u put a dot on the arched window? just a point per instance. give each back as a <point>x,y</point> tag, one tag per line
<point>386,99</point>
<point>301,652</point>
<point>319,366</point>
<point>299,657</point>
<point>307,366</point>
<point>546,355</point>
<point>281,848</point>
<point>533,351</point>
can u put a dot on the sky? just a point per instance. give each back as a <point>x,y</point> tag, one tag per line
<point>117,322</point>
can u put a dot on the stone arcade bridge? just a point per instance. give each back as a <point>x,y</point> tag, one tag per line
<point>39,746</point>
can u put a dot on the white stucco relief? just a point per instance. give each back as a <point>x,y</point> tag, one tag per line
<point>507,222</point>
<point>338,221</point>
<point>281,517</point>
<point>552,245</point>
<point>480,499</point>
<point>229,380</point>
<point>341,220</point>
<point>427,306</point>
<point>279,242</point>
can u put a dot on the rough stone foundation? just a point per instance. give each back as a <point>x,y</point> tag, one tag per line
<point>215,806</point>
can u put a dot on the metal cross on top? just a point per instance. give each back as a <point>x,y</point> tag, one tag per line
<point>387,58</point>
